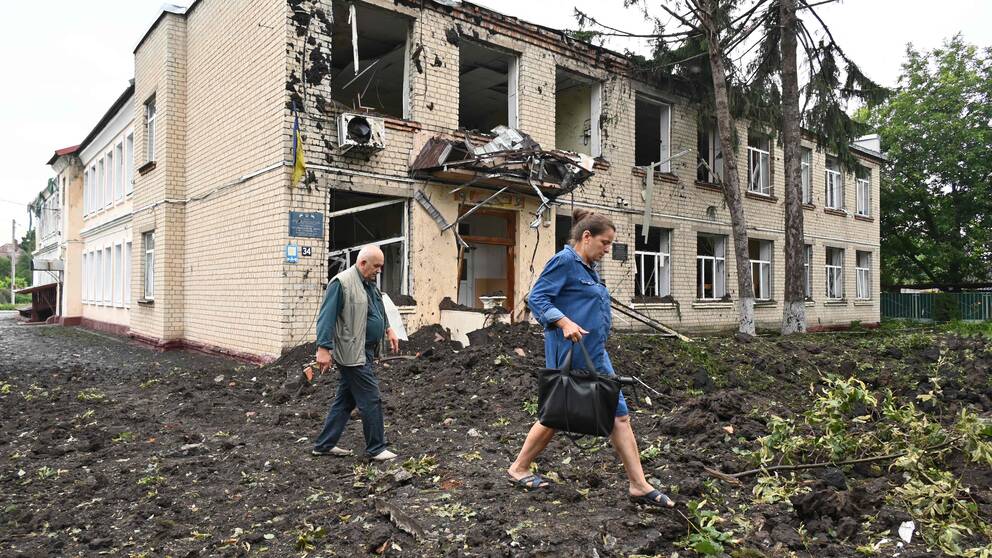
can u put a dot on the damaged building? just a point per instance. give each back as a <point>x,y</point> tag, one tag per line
<point>457,139</point>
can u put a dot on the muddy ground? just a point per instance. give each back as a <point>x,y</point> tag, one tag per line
<point>108,448</point>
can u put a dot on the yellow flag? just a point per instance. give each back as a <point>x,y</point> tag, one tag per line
<point>299,165</point>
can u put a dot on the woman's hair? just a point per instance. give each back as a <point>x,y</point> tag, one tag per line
<point>586,220</point>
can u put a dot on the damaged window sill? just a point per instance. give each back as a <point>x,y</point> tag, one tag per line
<point>601,164</point>
<point>146,302</point>
<point>146,168</point>
<point>865,218</point>
<point>832,211</point>
<point>662,176</point>
<point>809,206</point>
<point>760,197</point>
<point>713,304</point>
<point>765,303</point>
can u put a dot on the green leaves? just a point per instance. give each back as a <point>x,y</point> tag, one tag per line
<point>935,193</point>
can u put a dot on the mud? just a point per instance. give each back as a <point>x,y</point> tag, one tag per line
<point>108,447</point>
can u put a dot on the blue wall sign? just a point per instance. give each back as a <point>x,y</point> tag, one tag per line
<point>306,225</point>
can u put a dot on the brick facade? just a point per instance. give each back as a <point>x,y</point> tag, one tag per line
<point>226,77</point>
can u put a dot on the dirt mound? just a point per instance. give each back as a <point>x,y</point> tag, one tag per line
<point>100,440</point>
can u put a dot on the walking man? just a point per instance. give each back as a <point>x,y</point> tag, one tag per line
<point>350,326</point>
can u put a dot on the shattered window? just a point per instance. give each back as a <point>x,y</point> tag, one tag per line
<point>710,161</point>
<point>652,133</point>
<point>577,109</point>
<point>711,267</point>
<point>653,258</point>
<point>760,253</point>
<point>379,82</point>
<point>360,219</point>
<point>487,87</point>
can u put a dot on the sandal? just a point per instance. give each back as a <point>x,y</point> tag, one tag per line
<point>655,498</point>
<point>531,482</point>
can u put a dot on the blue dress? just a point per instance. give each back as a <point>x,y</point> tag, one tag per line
<point>570,287</point>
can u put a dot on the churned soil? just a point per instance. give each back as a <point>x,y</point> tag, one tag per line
<point>107,447</point>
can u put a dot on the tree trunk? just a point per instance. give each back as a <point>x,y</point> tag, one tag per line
<point>731,185</point>
<point>794,311</point>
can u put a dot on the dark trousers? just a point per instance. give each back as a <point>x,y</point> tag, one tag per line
<point>357,386</point>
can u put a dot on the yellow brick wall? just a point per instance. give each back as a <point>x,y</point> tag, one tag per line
<point>232,283</point>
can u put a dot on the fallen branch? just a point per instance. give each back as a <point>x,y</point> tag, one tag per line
<point>735,477</point>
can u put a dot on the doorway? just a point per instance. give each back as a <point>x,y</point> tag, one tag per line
<point>486,268</point>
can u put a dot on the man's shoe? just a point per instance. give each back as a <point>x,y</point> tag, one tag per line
<point>384,455</point>
<point>335,451</point>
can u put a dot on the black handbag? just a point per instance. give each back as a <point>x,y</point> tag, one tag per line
<point>575,400</point>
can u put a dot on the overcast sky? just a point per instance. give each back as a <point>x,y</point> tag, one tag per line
<point>66,61</point>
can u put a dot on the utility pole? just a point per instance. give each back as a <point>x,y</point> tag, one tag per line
<point>13,257</point>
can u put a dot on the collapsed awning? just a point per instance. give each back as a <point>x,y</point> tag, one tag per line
<point>511,160</point>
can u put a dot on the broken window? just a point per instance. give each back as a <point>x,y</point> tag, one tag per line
<point>577,110</point>
<point>379,80</point>
<point>760,253</point>
<point>487,87</point>
<point>486,266</point>
<point>359,219</point>
<point>835,273</point>
<point>710,163</point>
<point>758,167</point>
<point>652,133</point>
<point>711,283</point>
<point>653,260</point>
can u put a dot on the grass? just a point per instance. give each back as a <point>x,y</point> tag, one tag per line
<point>961,327</point>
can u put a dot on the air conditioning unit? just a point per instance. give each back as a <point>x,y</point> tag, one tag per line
<point>359,131</point>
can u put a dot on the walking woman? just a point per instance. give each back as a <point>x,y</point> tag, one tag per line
<point>573,305</point>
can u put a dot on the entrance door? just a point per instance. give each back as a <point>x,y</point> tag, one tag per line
<point>487,265</point>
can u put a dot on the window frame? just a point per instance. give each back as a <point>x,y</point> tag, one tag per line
<point>862,181</point>
<point>119,171</point>
<point>712,173</point>
<point>834,274</point>
<point>665,131</point>
<point>151,113</point>
<point>662,264</point>
<point>806,174</point>
<point>762,167</point>
<point>808,265</point>
<point>127,274</point>
<point>764,268</point>
<point>148,265</point>
<point>129,163</point>
<point>718,266</point>
<point>834,196</point>
<point>862,275</point>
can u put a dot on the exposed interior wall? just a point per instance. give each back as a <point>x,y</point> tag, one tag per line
<point>383,60</point>
<point>573,113</point>
<point>486,87</point>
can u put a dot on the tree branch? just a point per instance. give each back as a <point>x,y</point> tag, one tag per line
<point>734,477</point>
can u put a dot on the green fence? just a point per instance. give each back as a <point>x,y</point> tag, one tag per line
<point>928,307</point>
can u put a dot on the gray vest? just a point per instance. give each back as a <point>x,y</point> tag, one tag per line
<point>349,331</point>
